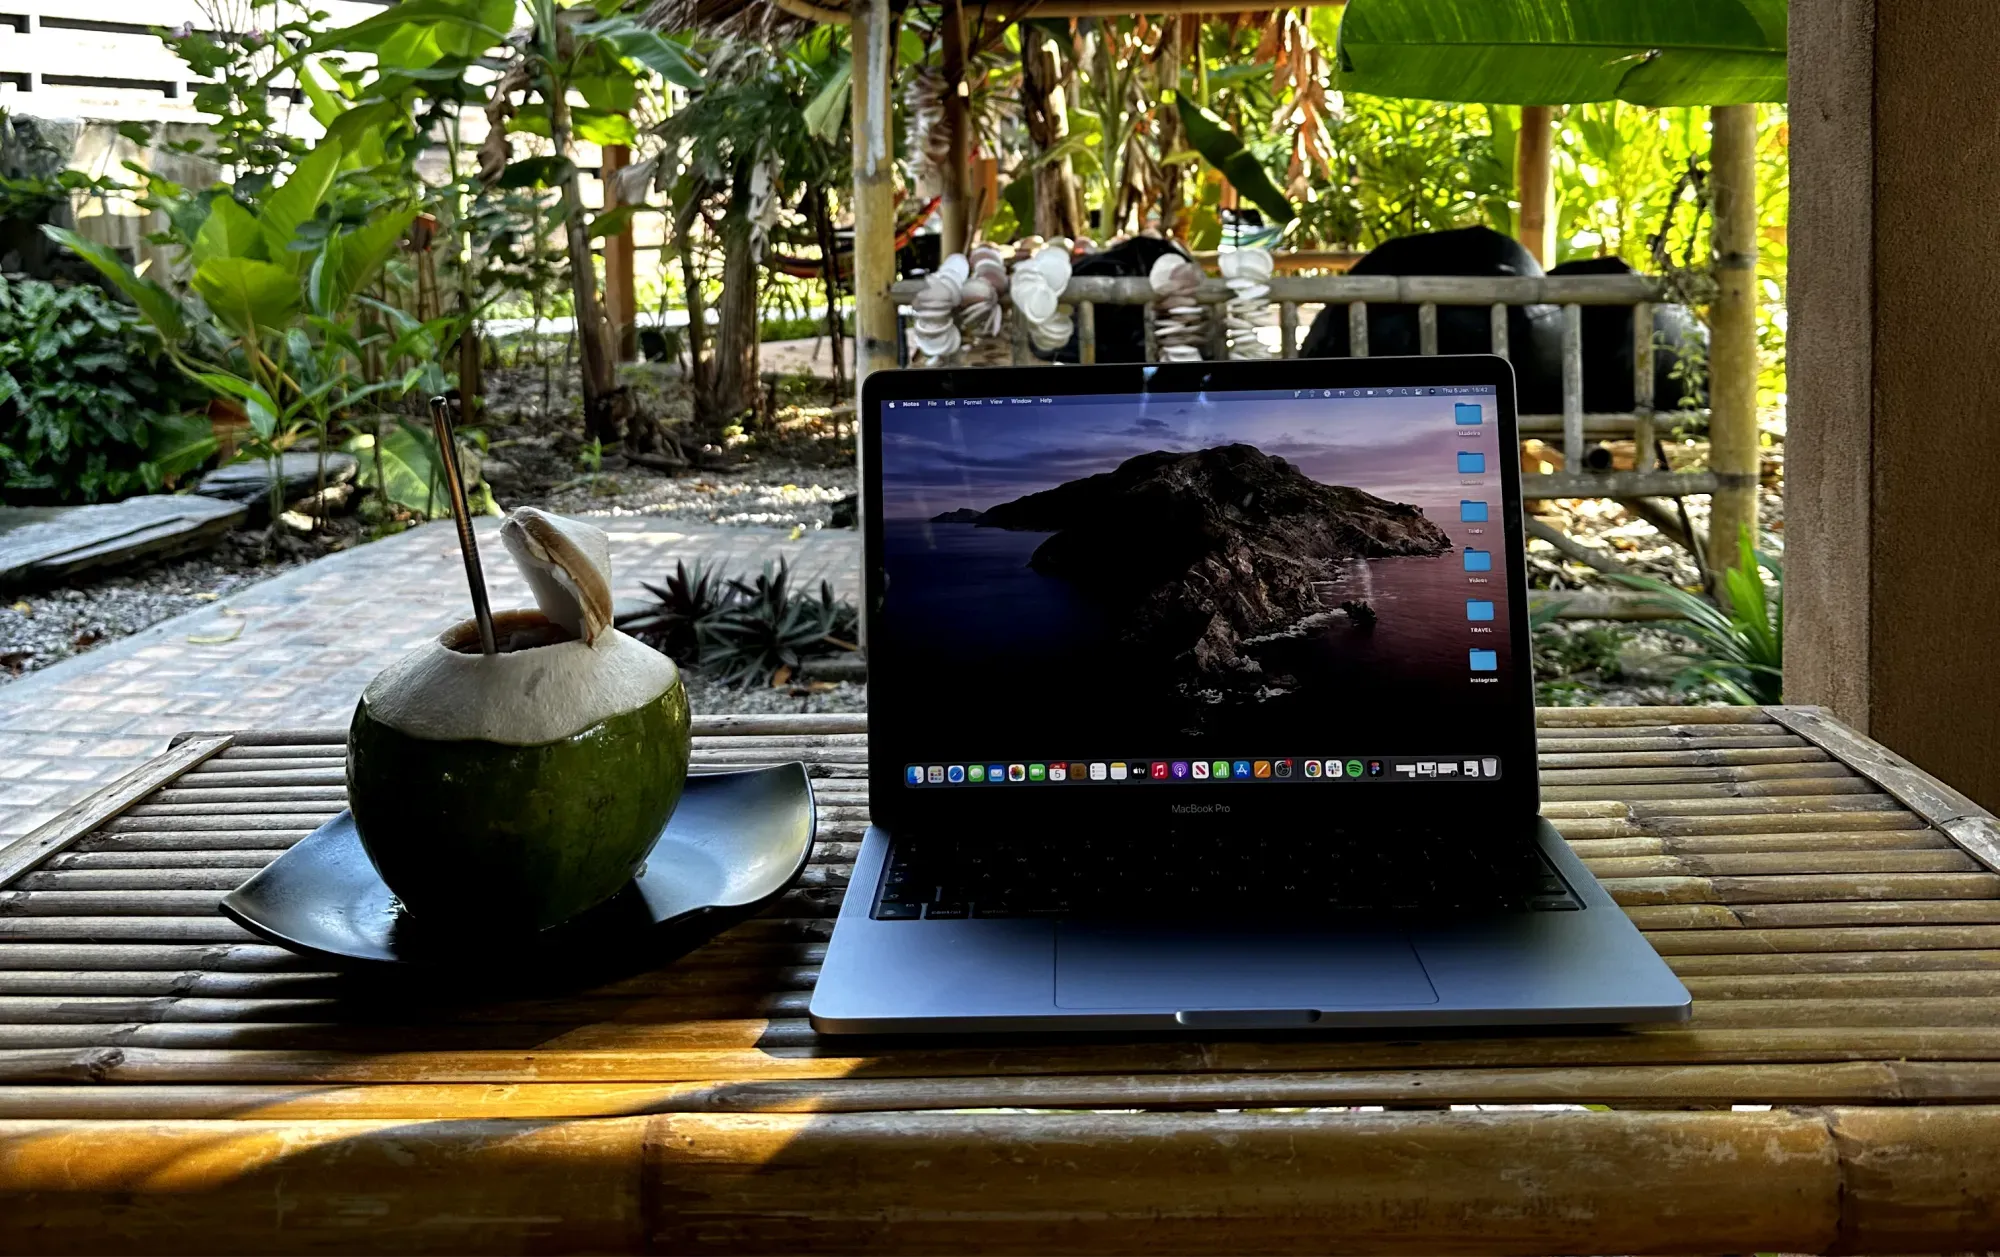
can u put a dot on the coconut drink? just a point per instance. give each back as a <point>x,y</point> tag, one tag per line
<point>520,783</point>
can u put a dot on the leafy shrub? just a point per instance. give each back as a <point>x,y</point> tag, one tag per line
<point>1742,647</point>
<point>89,408</point>
<point>799,327</point>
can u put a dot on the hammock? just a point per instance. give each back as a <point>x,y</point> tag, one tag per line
<point>813,268</point>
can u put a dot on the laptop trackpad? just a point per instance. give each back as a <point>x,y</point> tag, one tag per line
<point>1114,966</point>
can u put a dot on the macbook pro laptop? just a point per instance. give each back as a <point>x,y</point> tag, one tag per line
<point>1200,695</point>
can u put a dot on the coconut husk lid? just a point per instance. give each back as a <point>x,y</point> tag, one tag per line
<point>561,668</point>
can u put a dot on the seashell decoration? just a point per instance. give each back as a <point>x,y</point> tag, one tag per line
<point>935,325</point>
<point>1180,323</point>
<point>1037,290</point>
<point>1248,274</point>
<point>960,301</point>
<point>979,309</point>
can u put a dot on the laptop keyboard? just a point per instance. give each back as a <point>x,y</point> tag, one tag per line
<point>1259,879</point>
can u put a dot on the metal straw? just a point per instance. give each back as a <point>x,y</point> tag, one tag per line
<point>454,483</point>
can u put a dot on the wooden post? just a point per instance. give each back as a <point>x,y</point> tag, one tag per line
<point>954,207</point>
<point>621,298</point>
<point>1890,458</point>
<point>874,45</point>
<point>1572,387</point>
<point>1532,173</point>
<point>1732,354</point>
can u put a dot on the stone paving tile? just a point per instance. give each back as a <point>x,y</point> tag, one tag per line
<point>305,643</point>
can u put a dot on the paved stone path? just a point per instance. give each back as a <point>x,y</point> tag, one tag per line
<point>300,647</point>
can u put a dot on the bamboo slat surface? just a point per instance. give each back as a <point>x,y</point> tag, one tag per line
<point>169,1082</point>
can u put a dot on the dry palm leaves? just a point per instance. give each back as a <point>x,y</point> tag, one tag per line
<point>1296,63</point>
<point>760,20</point>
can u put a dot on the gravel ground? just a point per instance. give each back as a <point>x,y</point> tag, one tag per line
<point>706,696</point>
<point>40,628</point>
<point>767,495</point>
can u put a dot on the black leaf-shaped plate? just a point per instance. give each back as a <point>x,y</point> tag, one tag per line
<point>736,841</point>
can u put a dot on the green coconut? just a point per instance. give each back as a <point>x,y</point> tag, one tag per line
<point>522,788</point>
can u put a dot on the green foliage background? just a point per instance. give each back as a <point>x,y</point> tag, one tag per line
<point>89,408</point>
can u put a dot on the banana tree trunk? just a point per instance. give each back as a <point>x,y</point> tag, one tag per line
<point>734,384</point>
<point>600,383</point>
<point>697,332</point>
<point>1047,115</point>
<point>1170,139</point>
<point>955,208</point>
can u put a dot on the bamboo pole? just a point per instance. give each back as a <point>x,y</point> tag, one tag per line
<point>1537,188</point>
<point>955,204</point>
<point>874,189</point>
<point>1732,355</point>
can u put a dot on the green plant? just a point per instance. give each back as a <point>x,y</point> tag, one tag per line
<point>599,54</point>
<point>267,319</point>
<point>769,627</point>
<point>1559,52</point>
<point>87,410</point>
<point>686,600</point>
<point>743,630</point>
<point>1743,644</point>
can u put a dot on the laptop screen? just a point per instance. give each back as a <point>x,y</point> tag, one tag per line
<point>1213,589</point>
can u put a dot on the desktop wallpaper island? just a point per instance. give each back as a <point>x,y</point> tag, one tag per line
<point>1230,570</point>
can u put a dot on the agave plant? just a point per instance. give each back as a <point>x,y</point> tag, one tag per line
<point>768,628</point>
<point>1743,646</point>
<point>672,625</point>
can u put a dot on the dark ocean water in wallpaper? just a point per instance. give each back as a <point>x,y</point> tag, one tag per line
<point>968,609</point>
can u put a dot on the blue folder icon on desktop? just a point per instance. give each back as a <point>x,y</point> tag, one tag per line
<point>1470,512</point>
<point>1486,661</point>
<point>1478,560</point>
<point>1471,463</point>
<point>1478,609</point>
<point>1466,414</point>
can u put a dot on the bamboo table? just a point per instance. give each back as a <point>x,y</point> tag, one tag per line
<point>168,1083</point>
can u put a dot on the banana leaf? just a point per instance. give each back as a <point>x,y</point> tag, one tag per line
<point>1219,146</point>
<point>1565,52</point>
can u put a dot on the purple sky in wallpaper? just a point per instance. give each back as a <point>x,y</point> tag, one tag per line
<point>1402,449</point>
